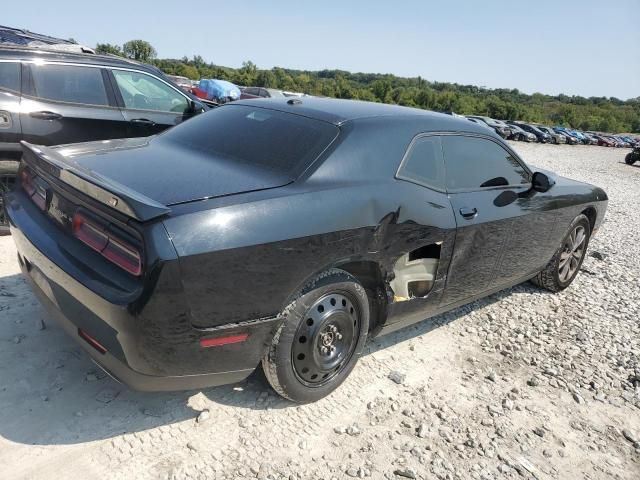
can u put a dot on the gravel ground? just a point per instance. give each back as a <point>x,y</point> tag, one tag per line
<point>522,384</point>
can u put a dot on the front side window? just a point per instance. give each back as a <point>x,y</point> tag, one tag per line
<point>423,163</point>
<point>474,163</point>
<point>68,83</point>
<point>143,92</point>
<point>10,76</point>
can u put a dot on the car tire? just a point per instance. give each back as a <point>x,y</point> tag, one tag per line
<point>629,159</point>
<point>566,262</point>
<point>8,172</point>
<point>322,335</point>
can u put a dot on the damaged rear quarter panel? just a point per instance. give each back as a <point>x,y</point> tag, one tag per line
<point>245,259</point>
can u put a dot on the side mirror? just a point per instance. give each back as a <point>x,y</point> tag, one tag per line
<point>541,182</point>
<point>195,107</point>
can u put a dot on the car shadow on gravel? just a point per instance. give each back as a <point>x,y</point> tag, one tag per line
<point>52,394</point>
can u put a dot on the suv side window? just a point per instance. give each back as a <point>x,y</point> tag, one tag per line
<point>143,92</point>
<point>474,163</point>
<point>423,163</point>
<point>67,83</point>
<point>10,76</point>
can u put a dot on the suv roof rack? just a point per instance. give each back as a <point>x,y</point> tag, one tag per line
<point>10,36</point>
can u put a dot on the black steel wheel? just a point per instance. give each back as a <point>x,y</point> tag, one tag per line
<point>320,339</point>
<point>326,339</point>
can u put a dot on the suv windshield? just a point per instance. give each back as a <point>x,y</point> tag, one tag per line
<point>281,142</point>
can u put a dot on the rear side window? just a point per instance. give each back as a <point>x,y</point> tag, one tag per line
<point>10,76</point>
<point>67,83</point>
<point>267,139</point>
<point>475,163</point>
<point>423,163</point>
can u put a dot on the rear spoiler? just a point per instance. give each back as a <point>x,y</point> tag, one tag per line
<point>106,191</point>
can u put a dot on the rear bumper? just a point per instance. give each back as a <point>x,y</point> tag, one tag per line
<point>119,370</point>
<point>150,343</point>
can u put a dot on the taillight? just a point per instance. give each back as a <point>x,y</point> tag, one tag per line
<point>114,249</point>
<point>34,188</point>
<point>27,181</point>
<point>123,255</point>
<point>89,234</point>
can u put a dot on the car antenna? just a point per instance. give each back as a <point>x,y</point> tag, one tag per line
<point>294,101</point>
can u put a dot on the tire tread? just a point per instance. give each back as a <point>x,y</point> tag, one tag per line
<point>269,363</point>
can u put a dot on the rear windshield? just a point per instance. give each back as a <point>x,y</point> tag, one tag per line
<point>268,139</point>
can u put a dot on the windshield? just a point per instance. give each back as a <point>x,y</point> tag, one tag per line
<point>268,139</point>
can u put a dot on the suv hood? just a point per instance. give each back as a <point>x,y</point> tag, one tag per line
<point>166,173</point>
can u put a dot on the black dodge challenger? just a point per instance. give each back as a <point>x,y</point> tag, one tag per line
<point>284,232</point>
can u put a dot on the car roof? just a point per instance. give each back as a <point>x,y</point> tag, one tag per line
<point>339,111</point>
<point>31,53</point>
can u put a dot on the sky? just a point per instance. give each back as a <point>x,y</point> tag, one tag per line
<point>575,47</point>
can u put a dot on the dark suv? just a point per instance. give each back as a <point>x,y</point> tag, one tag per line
<point>53,97</point>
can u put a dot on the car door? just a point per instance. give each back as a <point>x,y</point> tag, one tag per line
<point>422,242</point>
<point>149,104</point>
<point>64,103</point>
<point>484,181</point>
<point>10,130</point>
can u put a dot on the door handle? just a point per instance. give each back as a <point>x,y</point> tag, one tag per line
<point>143,121</point>
<point>5,119</point>
<point>45,115</point>
<point>468,213</point>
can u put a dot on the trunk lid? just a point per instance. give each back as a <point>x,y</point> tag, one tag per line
<point>165,172</point>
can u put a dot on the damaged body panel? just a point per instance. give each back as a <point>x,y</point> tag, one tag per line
<point>281,193</point>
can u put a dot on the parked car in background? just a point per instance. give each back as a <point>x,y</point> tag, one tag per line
<point>583,138</point>
<point>541,136</point>
<point>570,139</point>
<point>219,91</point>
<point>556,137</point>
<point>633,142</point>
<point>591,140</point>
<point>481,123</point>
<point>498,126</point>
<point>52,98</point>
<point>603,141</point>
<point>627,143</point>
<point>616,141</point>
<point>568,133</point>
<point>284,234</point>
<point>183,82</point>
<point>518,133</point>
<point>264,92</point>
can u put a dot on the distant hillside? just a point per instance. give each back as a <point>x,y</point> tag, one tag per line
<point>594,113</point>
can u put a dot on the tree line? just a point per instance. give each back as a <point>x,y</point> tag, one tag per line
<point>607,114</point>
